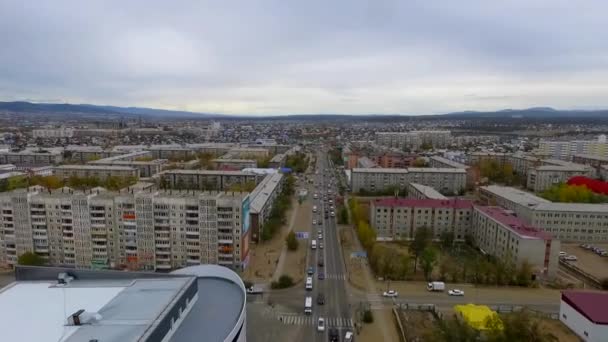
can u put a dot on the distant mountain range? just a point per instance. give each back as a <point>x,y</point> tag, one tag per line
<point>113,111</point>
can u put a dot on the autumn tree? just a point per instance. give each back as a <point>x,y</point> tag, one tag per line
<point>30,259</point>
<point>428,260</point>
<point>422,238</point>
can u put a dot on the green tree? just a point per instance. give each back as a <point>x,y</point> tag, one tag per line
<point>30,259</point>
<point>422,238</point>
<point>420,162</point>
<point>3,185</point>
<point>284,282</point>
<point>428,260</point>
<point>454,330</point>
<point>524,273</point>
<point>447,240</point>
<point>519,326</point>
<point>292,242</point>
<point>368,316</point>
<point>343,217</point>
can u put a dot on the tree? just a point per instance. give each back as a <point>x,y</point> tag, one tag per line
<point>420,162</point>
<point>368,316</point>
<point>284,282</point>
<point>524,273</point>
<point>30,259</point>
<point>3,185</point>
<point>422,238</point>
<point>519,326</point>
<point>292,242</point>
<point>453,329</point>
<point>447,240</point>
<point>428,260</point>
<point>343,218</point>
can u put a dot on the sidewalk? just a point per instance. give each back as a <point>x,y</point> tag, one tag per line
<point>281,263</point>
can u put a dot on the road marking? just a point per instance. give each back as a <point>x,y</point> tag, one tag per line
<point>334,322</point>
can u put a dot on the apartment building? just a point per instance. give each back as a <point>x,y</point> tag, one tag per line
<point>278,160</point>
<point>206,179</point>
<point>175,152</point>
<point>595,162</point>
<point>101,172</point>
<point>234,164</point>
<point>419,191</point>
<point>398,218</point>
<point>414,139</point>
<point>84,154</point>
<point>145,230</point>
<point>262,201</point>
<point>377,179</point>
<point>441,162</point>
<point>445,180</point>
<point>477,158</point>
<point>53,133</point>
<point>123,156</point>
<point>543,177</point>
<point>566,149</point>
<point>144,169</point>
<point>573,222</point>
<point>501,233</point>
<point>33,156</point>
<point>248,152</point>
<point>366,163</point>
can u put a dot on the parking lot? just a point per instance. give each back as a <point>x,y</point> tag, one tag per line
<point>588,261</point>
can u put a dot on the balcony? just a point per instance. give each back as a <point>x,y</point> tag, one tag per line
<point>162,244</point>
<point>163,266</point>
<point>225,262</point>
<point>100,254</point>
<point>191,262</point>
<point>162,252</point>
<point>225,242</point>
<point>41,249</point>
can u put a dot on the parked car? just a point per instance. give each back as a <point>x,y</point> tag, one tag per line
<point>585,246</point>
<point>562,253</point>
<point>348,337</point>
<point>570,258</point>
<point>390,293</point>
<point>456,292</point>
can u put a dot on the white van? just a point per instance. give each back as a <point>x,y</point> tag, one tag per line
<point>308,283</point>
<point>313,244</point>
<point>314,209</point>
<point>308,306</point>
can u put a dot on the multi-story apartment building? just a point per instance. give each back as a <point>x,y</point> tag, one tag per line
<point>398,218</point>
<point>566,149</point>
<point>377,179</point>
<point>147,230</point>
<point>262,200</point>
<point>278,160</point>
<point>505,236</point>
<point>445,180</point>
<point>33,157</point>
<point>413,139</point>
<point>594,162</point>
<point>248,152</point>
<point>101,172</point>
<point>54,133</point>
<point>234,164</point>
<point>84,154</point>
<point>441,162</point>
<point>477,158</point>
<point>451,181</point>
<point>576,222</point>
<point>206,179</point>
<point>543,177</point>
<point>175,152</point>
<point>144,168</point>
<point>419,191</point>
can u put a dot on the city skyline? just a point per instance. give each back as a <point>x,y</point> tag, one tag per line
<point>277,58</point>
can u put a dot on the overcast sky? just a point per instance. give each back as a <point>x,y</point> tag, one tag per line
<point>288,56</point>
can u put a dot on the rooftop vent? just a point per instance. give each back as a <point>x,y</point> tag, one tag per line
<point>64,278</point>
<point>81,317</point>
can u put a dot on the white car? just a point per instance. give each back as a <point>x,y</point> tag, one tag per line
<point>562,254</point>
<point>314,222</point>
<point>456,292</point>
<point>321,245</point>
<point>571,258</point>
<point>321,324</point>
<point>390,293</point>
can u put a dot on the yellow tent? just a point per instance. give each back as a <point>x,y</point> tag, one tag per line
<point>479,317</point>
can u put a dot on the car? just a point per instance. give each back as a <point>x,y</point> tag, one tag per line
<point>570,258</point>
<point>320,223</point>
<point>333,335</point>
<point>314,222</point>
<point>321,324</point>
<point>319,231</point>
<point>321,276</point>
<point>585,246</point>
<point>456,292</point>
<point>320,236</point>
<point>562,253</point>
<point>320,263</point>
<point>348,337</point>
<point>390,293</point>
<point>321,245</point>
<point>320,299</point>
<point>310,271</point>
<point>600,251</point>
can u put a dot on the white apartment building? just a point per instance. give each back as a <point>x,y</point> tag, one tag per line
<point>146,230</point>
<point>398,218</point>
<point>63,132</point>
<point>419,191</point>
<point>248,152</point>
<point>101,172</point>
<point>543,177</point>
<point>206,179</point>
<point>446,180</point>
<point>237,164</point>
<point>33,156</point>
<point>414,139</point>
<point>262,199</point>
<point>566,149</point>
<point>377,179</point>
<point>502,234</point>
<point>573,222</point>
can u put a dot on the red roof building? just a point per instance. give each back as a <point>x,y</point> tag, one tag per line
<point>586,314</point>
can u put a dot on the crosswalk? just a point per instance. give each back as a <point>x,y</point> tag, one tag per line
<point>332,322</point>
<point>341,276</point>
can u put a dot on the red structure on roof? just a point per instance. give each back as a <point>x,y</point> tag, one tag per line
<point>589,304</point>
<point>594,185</point>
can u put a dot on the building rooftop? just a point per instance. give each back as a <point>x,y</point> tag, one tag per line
<point>435,170</point>
<point>124,306</point>
<point>590,156</point>
<point>428,191</point>
<point>424,203</point>
<point>93,167</point>
<point>512,222</point>
<point>564,168</point>
<point>590,304</point>
<point>573,207</point>
<point>242,161</point>
<point>449,162</point>
<point>259,196</point>
<point>515,195</point>
<point>210,172</point>
<point>378,170</point>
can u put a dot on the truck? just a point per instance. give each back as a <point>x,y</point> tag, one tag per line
<point>308,306</point>
<point>255,289</point>
<point>436,286</point>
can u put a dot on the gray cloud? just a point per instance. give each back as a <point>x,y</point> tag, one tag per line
<point>278,57</point>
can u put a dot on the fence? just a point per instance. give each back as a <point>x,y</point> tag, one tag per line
<point>586,277</point>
